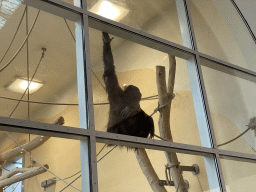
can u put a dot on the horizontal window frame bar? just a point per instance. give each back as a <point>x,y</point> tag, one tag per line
<point>223,66</point>
<point>140,37</point>
<point>38,128</point>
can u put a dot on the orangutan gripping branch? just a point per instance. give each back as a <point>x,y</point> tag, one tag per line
<point>125,115</point>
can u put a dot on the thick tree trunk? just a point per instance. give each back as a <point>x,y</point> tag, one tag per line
<point>164,120</point>
<point>148,170</point>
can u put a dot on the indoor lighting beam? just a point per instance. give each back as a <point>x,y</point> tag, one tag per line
<point>20,85</point>
<point>109,10</point>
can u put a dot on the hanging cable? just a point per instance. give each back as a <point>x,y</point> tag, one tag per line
<point>199,183</point>
<point>23,43</point>
<point>101,149</point>
<point>75,41</point>
<point>81,175</point>
<point>80,171</point>
<point>16,187</point>
<point>48,103</point>
<point>30,81</point>
<point>38,162</point>
<point>99,80</point>
<point>69,29</point>
<point>234,138</point>
<point>14,35</point>
<point>27,60</point>
<point>1,166</point>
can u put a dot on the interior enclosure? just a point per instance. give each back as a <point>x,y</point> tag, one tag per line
<point>231,106</point>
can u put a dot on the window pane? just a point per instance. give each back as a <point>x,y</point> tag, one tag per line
<point>124,170</point>
<point>159,18</point>
<point>48,59</point>
<point>60,156</point>
<point>239,176</point>
<point>136,65</point>
<point>231,96</point>
<point>221,32</point>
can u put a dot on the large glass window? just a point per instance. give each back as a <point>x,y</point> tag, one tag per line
<point>142,170</point>
<point>136,65</point>
<point>239,176</point>
<point>220,32</point>
<point>39,163</point>
<point>38,48</point>
<point>231,99</point>
<point>53,81</point>
<point>159,18</point>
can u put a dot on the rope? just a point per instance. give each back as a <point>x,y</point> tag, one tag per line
<point>69,29</point>
<point>75,41</point>
<point>179,182</point>
<point>29,81</point>
<point>16,187</point>
<point>80,175</point>
<point>101,149</point>
<point>14,36</point>
<point>234,138</point>
<point>170,97</point>
<point>23,43</point>
<point>49,103</point>
<point>200,183</point>
<point>1,166</point>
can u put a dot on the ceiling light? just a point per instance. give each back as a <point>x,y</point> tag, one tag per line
<point>20,85</point>
<point>109,10</point>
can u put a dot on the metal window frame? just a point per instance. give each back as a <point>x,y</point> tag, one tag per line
<point>91,135</point>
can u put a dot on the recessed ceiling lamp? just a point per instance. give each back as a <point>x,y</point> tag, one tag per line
<point>109,10</point>
<point>20,85</point>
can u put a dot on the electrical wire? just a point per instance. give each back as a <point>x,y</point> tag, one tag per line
<point>23,43</point>
<point>234,138</point>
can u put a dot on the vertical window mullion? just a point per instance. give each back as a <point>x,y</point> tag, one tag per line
<point>205,100</point>
<point>92,141</point>
<point>199,97</point>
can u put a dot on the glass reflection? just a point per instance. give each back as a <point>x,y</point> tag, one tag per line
<point>159,18</point>
<point>221,32</point>
<point>136,65</point>
<point>60,156</point>
<point>231,96</point>
<point>122,170</point>
<point>39,49</point>
<point>76,3</point>
<point>239,176</point>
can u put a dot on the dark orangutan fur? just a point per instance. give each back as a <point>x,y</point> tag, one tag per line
<point>125,115</point>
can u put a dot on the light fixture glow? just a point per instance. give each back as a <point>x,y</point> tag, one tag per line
<point>20,85</point>
<point>109,10</point>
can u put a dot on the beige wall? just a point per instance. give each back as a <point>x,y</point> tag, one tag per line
<point>136,64</point>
